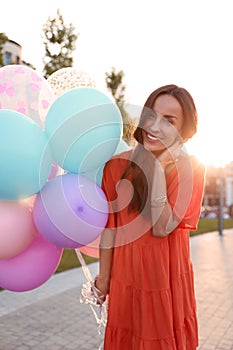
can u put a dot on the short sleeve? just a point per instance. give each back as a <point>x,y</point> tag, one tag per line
<point>185,193</point>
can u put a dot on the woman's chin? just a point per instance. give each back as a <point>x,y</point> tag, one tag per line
<point>155,150</point>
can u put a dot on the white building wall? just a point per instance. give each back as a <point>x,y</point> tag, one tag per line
<point>229,190</point>
<point>13,51</point>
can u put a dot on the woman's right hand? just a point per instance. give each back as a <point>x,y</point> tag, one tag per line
<point>102,287</point>
<point>171,154</point>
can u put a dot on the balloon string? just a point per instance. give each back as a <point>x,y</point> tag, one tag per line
<point>101,319</point>
<point>85,269</point>
<point>88,276</point>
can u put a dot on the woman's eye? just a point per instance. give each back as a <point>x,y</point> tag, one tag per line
<point>167,121</point>
<point>170,121</point>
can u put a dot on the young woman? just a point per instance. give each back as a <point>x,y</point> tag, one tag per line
<point>155,193</point>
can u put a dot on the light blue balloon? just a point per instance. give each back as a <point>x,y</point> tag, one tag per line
<point>25,158</point>
<point>84,127</point>
<point>96,175</point>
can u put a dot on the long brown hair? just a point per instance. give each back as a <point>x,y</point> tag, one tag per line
<point>140,169</point>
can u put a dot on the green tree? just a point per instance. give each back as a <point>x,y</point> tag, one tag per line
<point>3,40</point>
<point>60,41</point>
<point>114,83</point>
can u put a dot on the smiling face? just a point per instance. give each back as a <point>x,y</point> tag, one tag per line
<point>162,128</point>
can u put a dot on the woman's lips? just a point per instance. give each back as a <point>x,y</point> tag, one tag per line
<point>152,137</point>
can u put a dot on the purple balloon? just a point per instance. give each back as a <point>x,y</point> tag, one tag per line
<point>32,267</point>
<point>70,211</point>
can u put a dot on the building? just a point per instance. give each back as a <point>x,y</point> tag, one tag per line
<point>12,54</point>
<point>219,186</point>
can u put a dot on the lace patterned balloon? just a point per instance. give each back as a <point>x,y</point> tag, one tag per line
<point>69,78</point>
<point>23,90</point>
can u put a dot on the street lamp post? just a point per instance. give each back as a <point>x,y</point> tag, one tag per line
<point>221,201</point>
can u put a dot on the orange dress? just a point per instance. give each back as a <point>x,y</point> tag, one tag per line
<point>151,300</point>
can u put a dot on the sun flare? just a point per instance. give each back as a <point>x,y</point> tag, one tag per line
<point>209,151</point>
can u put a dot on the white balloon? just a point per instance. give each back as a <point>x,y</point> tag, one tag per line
<point>69,78</point>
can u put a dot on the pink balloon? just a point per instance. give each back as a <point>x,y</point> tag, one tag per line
<point>31,268</point>
<point>17,229</point>
<point>91,249</point>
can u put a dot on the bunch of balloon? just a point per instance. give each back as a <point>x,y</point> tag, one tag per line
<point>84,129</point>
<point>52,153</point>
<point>26,259</point>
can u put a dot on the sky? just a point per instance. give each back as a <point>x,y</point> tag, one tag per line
<point>184,42</point>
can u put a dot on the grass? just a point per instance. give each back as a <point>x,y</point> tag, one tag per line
<point>69,258</point>
<point>210,225</point>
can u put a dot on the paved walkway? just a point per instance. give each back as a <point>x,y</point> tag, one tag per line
<point>51,317</point>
